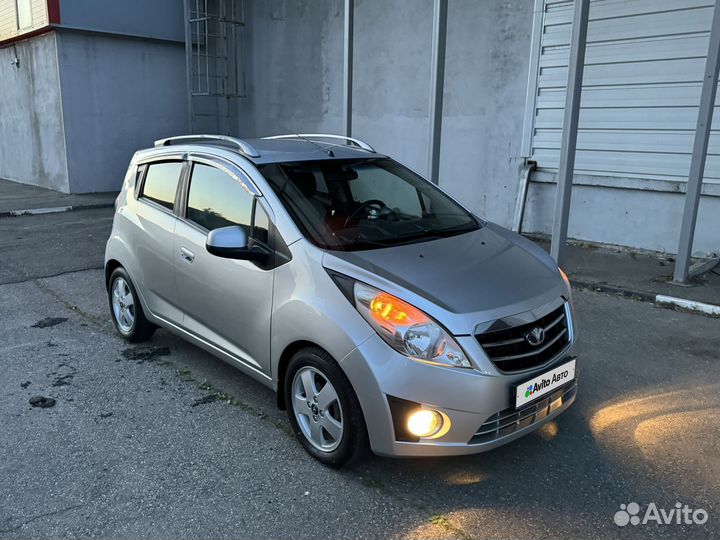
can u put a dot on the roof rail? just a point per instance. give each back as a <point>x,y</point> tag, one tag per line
<point>310,136</point>
<point>243,147</point>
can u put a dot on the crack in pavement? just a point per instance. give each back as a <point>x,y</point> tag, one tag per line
<point>98,323</point>
<point>27,278</point>
<point>40,516</point>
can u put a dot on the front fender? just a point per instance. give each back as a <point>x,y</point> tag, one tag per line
<point>308,306</point>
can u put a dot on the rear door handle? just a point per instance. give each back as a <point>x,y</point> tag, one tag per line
<point>187,255</point>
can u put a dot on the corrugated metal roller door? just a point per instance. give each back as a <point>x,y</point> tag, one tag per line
<point>641,90</point>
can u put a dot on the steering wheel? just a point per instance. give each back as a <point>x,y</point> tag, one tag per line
<point>363,206</point>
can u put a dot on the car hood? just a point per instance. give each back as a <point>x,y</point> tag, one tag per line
<point>462,280</point>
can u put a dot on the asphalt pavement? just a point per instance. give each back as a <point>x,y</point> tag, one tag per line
<point>162,440</point>
<point>16,198</point>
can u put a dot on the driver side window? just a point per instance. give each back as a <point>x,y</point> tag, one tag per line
<point>215,199</point>
<point>399,196</point>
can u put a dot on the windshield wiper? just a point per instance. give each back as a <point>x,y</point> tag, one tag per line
<point>440,233</point>
<point>359,238</point>
<point>455,230</point>
<point>422,233</point>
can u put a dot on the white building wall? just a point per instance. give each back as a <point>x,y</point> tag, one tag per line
<point>10,21</point>
<point>643,72</point>
<point>644,66</point>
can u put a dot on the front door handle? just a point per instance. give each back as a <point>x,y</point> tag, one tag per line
<point>187,255</point>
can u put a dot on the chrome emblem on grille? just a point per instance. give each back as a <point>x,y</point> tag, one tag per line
<point>535,336</point>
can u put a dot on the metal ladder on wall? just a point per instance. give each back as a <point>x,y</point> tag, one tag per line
<point>214,44</point>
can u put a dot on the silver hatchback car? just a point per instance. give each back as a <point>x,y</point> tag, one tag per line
<point>383,313</point>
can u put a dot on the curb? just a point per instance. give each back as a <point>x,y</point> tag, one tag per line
<point>627,293</point>
<point>54,209</point>
<point>691,305</point>
<point>658,299</point>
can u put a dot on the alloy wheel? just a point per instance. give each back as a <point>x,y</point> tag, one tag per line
<point>123,305</point>
<point>317,409</point>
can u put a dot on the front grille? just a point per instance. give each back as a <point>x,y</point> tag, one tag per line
<point>510,350</point>
<point>510,420</point>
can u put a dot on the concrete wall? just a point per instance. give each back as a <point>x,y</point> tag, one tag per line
<point>118,95</point>
<point>295,67</point>
<point>392,78</point>
<point>486,78</point>
<point>32,143</point>
<point>293,63</point>
<point>161,19</point>
<point>641,218</point>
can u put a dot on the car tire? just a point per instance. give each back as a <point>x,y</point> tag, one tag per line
<point>312,415</point>
<point>125,308</point>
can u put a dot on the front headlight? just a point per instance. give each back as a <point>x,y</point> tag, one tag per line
<point>407,329</point>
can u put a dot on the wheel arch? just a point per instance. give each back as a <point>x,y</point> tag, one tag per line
<point>110,266</point>
<point>285,357</point>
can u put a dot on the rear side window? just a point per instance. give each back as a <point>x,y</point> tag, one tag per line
<point>216,199</point>
<point>161,182</point>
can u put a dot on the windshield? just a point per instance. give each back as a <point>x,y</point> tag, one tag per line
<point>364,204</point>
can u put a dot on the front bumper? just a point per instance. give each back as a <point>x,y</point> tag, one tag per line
<point>479,402</point>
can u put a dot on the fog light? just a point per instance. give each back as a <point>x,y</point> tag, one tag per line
<point>425,423</point>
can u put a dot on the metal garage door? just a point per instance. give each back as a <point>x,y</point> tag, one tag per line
<point>643,70</point>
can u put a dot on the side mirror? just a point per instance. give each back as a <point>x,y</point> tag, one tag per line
<point>232,243</point>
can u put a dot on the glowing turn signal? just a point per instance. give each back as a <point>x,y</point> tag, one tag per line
<point>385,307</point>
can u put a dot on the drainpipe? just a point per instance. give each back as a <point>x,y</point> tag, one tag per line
<point>525,171</point>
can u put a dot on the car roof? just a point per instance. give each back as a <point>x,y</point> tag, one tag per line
<point>285,148</point>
